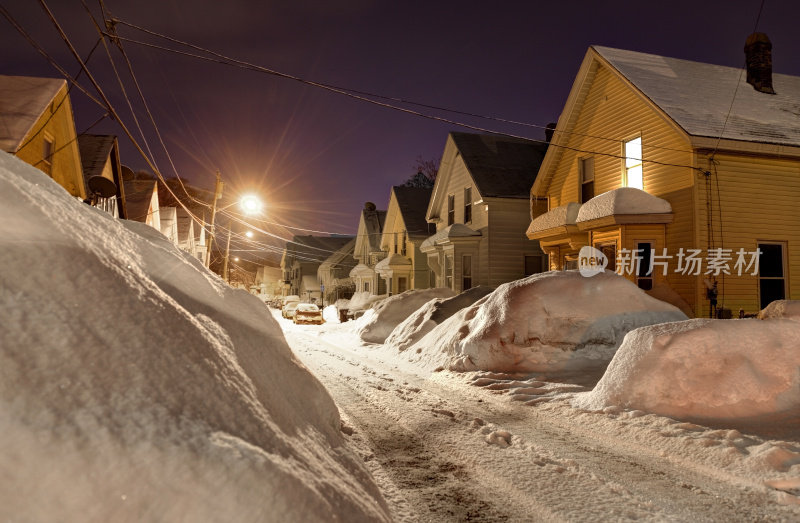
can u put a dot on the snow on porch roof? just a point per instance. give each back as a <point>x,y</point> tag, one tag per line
<point>558,217</point>
<point>457,230</point>
<point>697,97</point>
<point>625,200</point>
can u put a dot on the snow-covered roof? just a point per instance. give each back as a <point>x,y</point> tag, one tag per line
<point>698,96</point>
<point>393,260</point>
<point>624,200</point>
<point>457,230</point>
<point>501,167</point>
<point>558,217</point>
<point>23,99</point>
<point>361,271</point>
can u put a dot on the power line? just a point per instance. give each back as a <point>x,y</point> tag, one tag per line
<point>225,60</point>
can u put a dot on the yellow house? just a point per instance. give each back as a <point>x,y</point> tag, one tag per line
<point>679,174</point>
<point>37,126</point>
<point>404,230</point>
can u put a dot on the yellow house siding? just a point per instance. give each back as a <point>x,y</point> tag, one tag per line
<point>507,242</point>
<point>754,199</point>
<point>66,165</point>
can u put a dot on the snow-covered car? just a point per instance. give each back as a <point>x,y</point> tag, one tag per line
<point>308,313</point>
<point>289,309</point>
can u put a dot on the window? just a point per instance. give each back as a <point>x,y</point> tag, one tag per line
<point>610,252</point>
<point>586,173</point>
<point>633,164</point>
<point>644,273</point>
<point>402,284</point>
<point>533,265</point>
<point>47,154</point>
<point>571,262</point>
<point>771,275</point>
<point>451,209</point>
<point>466,272</point>
<point>468,205</point>
<point>448,271</point>
<point>403,243</point>
<point>366,286</point>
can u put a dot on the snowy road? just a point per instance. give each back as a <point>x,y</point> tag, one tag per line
<point>442,449</point>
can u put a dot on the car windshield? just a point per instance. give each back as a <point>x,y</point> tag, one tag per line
<point>307,307</point>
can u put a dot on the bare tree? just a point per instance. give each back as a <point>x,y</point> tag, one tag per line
<point>426,173</point>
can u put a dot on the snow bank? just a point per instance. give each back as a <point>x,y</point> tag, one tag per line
<point>553,321</point>
<point>424,319</point>
<point>393,310</point>
<point>330,314</point>
<point>704,370</point>
<point>781,309</point>
<point>136,385</point>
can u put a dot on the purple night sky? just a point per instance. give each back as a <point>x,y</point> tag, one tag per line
<point>316,156</point>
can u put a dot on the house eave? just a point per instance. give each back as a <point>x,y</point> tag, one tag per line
<point>625,219</point>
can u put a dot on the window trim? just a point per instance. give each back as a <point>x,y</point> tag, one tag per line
<point>47,161</point>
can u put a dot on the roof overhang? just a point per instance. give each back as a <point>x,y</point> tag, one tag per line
<point>625,219</point>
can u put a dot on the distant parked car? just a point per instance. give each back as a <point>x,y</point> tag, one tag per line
<point>308,313</point>
<point>289,309</point>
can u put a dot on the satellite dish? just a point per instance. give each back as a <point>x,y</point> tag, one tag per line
<point>102,187</point>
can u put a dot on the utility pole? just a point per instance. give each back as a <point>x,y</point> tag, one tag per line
<point>217,196</point>
<point>227,254</point>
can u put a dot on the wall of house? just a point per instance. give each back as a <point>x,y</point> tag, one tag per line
<point>612,113</point>
<point>753,199</point>
<point>65,164</point>
<point>507,243</point>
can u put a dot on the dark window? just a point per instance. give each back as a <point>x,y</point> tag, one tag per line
<point>610,252</point>
<point>533,265</point>
<point>451,209</point>
<point>366,286</point>
<point>586,171</point>
<point>466,272</point>
<point>468,205</point>
<point>448,271</point>
<point>47,155</point>
<point>771,280</point>
<point>644,275</point>
<point>402,284</point>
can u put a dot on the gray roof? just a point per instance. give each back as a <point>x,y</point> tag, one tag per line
<point>95,150</point>
<point>315,249</point>
<point>23,99</point>
<point>413,204</point>
<point>697,97</point>
<point>501,167</point>
<point>137,198</point>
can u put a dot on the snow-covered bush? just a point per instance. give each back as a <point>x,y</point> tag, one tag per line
<point>552,321</point>
<point>136,385</point>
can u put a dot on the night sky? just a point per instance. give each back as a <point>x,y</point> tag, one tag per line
<point>316,156</point>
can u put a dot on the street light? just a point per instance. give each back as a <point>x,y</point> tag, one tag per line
<point>250,205</point>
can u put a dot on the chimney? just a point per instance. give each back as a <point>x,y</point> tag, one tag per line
<point>548,132</point>
<point>758,56</point>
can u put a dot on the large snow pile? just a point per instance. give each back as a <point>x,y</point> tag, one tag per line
<point>424,319</point>
<point>135,385</point>
<point>377,324</point>
<point>553,321</point>
<point>705,370</point>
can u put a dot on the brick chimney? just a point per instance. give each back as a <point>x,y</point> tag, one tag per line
<point>758,56</point>
<point>548,131</point>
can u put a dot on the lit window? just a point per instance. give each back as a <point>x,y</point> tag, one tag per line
<point>468,205</point>
<point>633,164</point>
<point>586,172</point>
<point>451,209</point>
